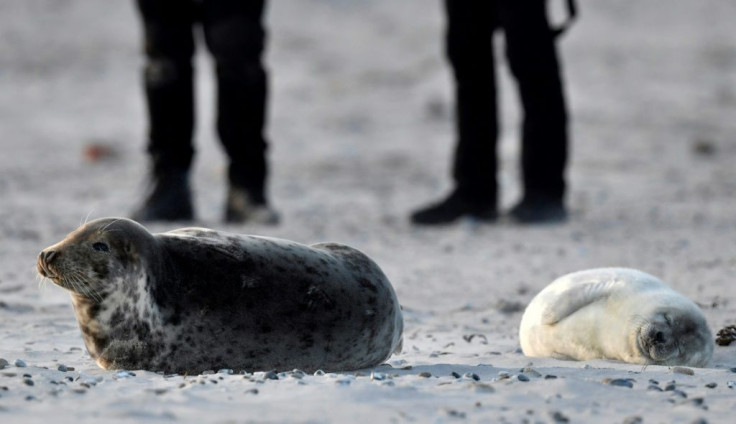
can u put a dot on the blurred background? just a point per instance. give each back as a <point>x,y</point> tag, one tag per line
<point>360,125</point>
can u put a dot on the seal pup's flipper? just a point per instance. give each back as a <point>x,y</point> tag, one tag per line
<point>576,298</point>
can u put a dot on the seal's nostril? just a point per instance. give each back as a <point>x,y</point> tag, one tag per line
<point>659,337</point>
<point>47,256</point>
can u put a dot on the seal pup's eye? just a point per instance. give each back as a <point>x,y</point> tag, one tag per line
<point>102,247</point>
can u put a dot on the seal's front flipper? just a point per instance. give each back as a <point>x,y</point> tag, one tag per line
<point>575,298</point>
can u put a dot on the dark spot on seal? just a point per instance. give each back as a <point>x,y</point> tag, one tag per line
<point>312,270</point>
<point>367,284</point>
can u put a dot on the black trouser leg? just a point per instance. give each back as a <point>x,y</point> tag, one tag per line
<point>235,36</point>
<point>470,26</point>
<point>532,55</point>
<point>167,75</point>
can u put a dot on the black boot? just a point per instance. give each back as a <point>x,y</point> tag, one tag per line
<point>242,206</point>
<point>539,210</point>
<point>453,207</point>
<point>169,198</point>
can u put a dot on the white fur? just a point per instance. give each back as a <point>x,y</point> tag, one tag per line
<point>600,313</point>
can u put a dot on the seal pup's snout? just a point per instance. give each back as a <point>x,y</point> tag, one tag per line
<point>659,343</point>
<point>45,258</point>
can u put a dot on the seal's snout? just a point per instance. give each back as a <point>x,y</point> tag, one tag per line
<point>45,258</point>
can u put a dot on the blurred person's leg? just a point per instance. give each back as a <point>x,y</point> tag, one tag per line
<point>532,55</point>
<point>168,82</point>
<point>235,36</point>
<point>469,44</point>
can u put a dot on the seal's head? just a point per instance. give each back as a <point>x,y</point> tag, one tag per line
<point>95,254</point>
<point>673,336</point>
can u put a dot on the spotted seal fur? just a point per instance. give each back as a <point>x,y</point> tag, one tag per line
<point>615,313</point>
<point>196,299</point>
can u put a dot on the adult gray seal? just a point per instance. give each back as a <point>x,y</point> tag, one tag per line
<point>196,299</point>
<point>615,313</point>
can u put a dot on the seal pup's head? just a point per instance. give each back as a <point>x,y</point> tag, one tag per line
<point>676,336</point>
<point>95,254</point>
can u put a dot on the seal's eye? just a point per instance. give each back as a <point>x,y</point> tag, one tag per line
<point>102,247</point>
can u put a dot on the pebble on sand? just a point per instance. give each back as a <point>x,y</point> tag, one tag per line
<point>474,376</point>
<point>620,382</point>
<point>20,363</point>
<point>683,370</point>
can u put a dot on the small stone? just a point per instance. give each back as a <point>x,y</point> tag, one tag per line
<point>732,369</point>
<point>378,376</point>
<point>698,401</point>
<point>683,370</point>
<point>704,147</point>
<point>619,382</point>
<point>225,371</point>
<point>654,388</point>
<point>62,368</point>
<point>679,393</point>
<point>124,374</point>
<point>712,385</point>
<point>70,368</point>
<point>3,363</point>
<point>425,374</point>
<point>252,391</point>
<point>550,377</point>
<point>502,375</point>
<point>93,380</point>
<point>20,363</point>
<point>271,375</point>
<point>731,384</point>
<point>474,376</point>
<point>531,372</point>
<point>559,417</point>
<point>319,373</point>
<point>28,382</point>
<point>298,374</point>
<point>454,374</point>
<point>208,372</point>
<point>522,377</point>
<point>670,386</point>
<point>653,381</point>
<point>633,420</point>
<point>454,413</point>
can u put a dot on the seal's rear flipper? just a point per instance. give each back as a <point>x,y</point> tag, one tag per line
<point>398,348</point>
<point>575,298</point>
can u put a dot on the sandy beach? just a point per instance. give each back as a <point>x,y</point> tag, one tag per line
<point>361,131</point>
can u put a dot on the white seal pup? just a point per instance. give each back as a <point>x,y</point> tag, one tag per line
<point>195,299</point>
<point>615,313</point>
